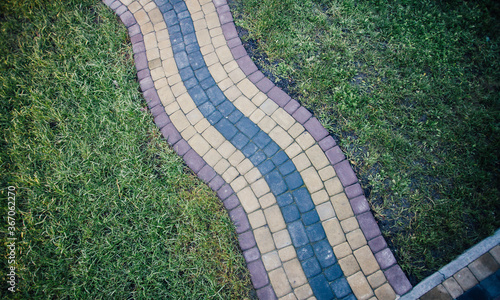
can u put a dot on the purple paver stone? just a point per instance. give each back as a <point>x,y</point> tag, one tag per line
<point>266,293</point>
<point>192,159</point>
<point>171,134</point>
<point>206,173</point>
<point>161,120</point>
<point>265,85</point>
<point>398,280</point>
<point>256,76</point>
<point>251,254</point>
<point>247,240</point>
<point>181,147</point>
<point>128,19</point>
<point>385,258</point>
<point>302,115</point>
<point>229,30</point>
<point>335,155</point>
<point>368,225</point>
<point>134,30</point>
<point>359,205</point>
<point>281,98</point>
<point>218,3</point>
<point>246,65</point>
<point>377,244</point>
<point>240,220</point>
<point>353,190</point>
<point>224,192</point>
<point>292,106</point>
<point>315,128</point>
<point>238,51</point>
<point>327,143</point>
<point>231,202</point>
<point>216,183</point>
<point>258,274</point>
<point>345,173</point>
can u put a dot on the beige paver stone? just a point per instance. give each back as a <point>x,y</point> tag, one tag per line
<point>287,253</point>
<point>141,17</point>
<point>495,252</point>
<point>259,98</point>
<point>208,8</point>
<point>236,158</point>
<point>144,2</point>
<point>269,107</point>
<point>279,282</point>
<point>207,49</point>
<point>267,200</point>
<point>333,186</point>
<point>150,41</point>
<point>283,118</point>
<point>260,188</point>
<point>165,53</point>
<point>179,120</point>
<point>188,133</point>
<point>334,232</point>
<point>271,260</point>
<point>224,54</point>
<point>376,279</point>
<point>293,270</point>
<point>226,149</point>
<point>305,140</point>
<point>293,150</point>
<point>267,124</point>
<point>342,206</point>
<point>385,292</point>
<point>366,260</point>
<point>303,292</point>
<point>239,183</point>
<point>156,16</point>
<point>212,157</point>
<point>172,108</point>
<point>437,293</point>
<point>257,116</point>
<point>194,116</point>
<point>204,39</point>
<point>202,125</point>
<point>349,225</point>
<point>166,96</point>
<point>237,75</point>
<point>349,265</point>
<point>134,6</point>
<point>257,219</point>
<point>281,137</point>
<point>247,88</point>
<point>290,296</point>
<point>232,93</point>
<point>325,211</point>
<point>214,137</point>
<point>164,44</point>
<point>230,174</point>
<point>169,67</point>
<point>211,59</point>
<point>199,144</point>
<point>484,266</point>
<point>221,166</point>
<point>193,6</point>
<point>312,181</point>
<point>342,250</point>
<point>244,105</point>
<point>230,66</point>
<point>212,20</point>
<point>218,72</point>
<point>249,201</point>
<point>264,239</point>
<point>296,130</point>
<point>147,28</point>
<point>174,79</point>
<point>225,84</point>
<point>274,218</point>
<point>317,157</point>
<point>161,83</point>
<point>153,53</point>
<point>465,279</point>
<point>163,36</point>
<point>245,166</point>
<point>149,6</point>
<point>126,2</point>
<point>360,286</point>
<point>452,286</point>
<point>157,73</point>
<point>252,175</point>
<point>356,239</point>
<point>186,103</point>
<point>320,196</point>
<point>301,162</point>
<point>282,239</point>
<point>198,15</point>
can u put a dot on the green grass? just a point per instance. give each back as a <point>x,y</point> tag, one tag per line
<point>105,208</point>
<point>411,90</point>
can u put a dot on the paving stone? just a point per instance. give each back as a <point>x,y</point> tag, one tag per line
<point>206,173</point>
<point>257,219</point>
<point>281,137</point>
<point>248,200</point>
<point>279,158</point>
<point>349,225</point>
<point>377,244</point>
<point>342,250</point>
<point>241,223</point>
<point>398,280</point>
<point>251,254</point>
<point>282,239</point>
<point>303,292</point>
<point>212,157</point>
<point>301,162</point>
<point>360,286</point>
<point>349,265</point>
<point>257,115</point>
<point>320,197</point>
<point>315,232</point>
<point>216,183</point>
<point>312,180</point>
<point>267,200</point>
<point>311,268</point>
<point>281,98</point>
<point>342,207</point>
<point>271,260</point>
<point>320,287</point>
<point>239,183</point>
<point>492,285</point>
<point>274,218</point>
<point>283,118</point>
<point>366,260</point>
<point>334,232</point>
<point>385,292</point>
<point>340,287</point>
<point>252,175</point>
<point>359,205</point>
<point>260,187</point>
<point>453,288</point>
<point>302,115</point>
<point>327,173</point>
<point>266,293</point>
<point>465,279</point>
<point>356,239</point>
<point>317,157</point>
<point>310,218</point>
<point>484,266</point>
<point>376,279</point>
<point>276,183</point>
<point>325,211</point>
<point>385,258</point>
<point>294,272</point>
<point>303,200</point>
<point>437,293</point>
<point>290,296</point>
<point>345,173</point>
<point>287,253</point>
<point>495,252</point>
<point>324,253</point>
<point>267,124</point>
<point>368,225</point>
<point>221,166</point>
<point>280,282</point>
<point>258,274</point>
<point>264,239</point>
<point>333,186</point>
<point>298,233</point>
<point>231,202</point>
<point>292,106</point>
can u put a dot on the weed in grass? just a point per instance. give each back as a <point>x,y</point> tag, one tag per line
<point>410,89</point>
<point>105,207</point>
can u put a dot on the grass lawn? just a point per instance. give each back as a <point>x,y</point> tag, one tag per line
<point>411,88</point>
<point>104,207</point>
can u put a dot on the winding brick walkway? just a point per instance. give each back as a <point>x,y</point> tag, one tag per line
<point>304,226</point>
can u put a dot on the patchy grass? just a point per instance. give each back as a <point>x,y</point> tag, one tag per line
<point>104,207</point>
<point>411,90</point>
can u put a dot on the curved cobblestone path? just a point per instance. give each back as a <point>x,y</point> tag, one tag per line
<point>304,226</point>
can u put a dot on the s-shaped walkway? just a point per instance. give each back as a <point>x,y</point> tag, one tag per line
<point>304,226</point>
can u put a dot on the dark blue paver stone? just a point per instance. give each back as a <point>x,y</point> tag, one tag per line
<point>261,139</point>
<point>227,129</point>
<point>266,166</point>
<point>249,149</point>
<point>181,59</point>
<point>190,83</point>
<point>280,158</point>
<point>192,48</point>
<point>310,217</point>
<point>226,108</point>
<point>294,181</point>
<point>240,141</point>
<point>170,18</point>
<point>287,168</point>
<point>305,252</point>
<point>180,47</point>
<point>333,272</point>
<point>492,284</point>
<point>183,15</point>
<point>202,74</point>
<point>175,29</point>
<point>207,83</point>
<point>246,126</point>
<point>176,39</point>
<point>303,200</point>
<point>290,213</point>
<point>276,183</point>
<point>235,116</point>
<point>340,287</point>
<point>271,149</point>
<point>179,6</point>
<point>298,234</point>
<point>215,95</point>
<point>190,39</point>
<point>198,95</point>
<point>258,158</point>
<point>186,26</point>
<point>207,109</point>
<point>315,232</point>
<point>186,73</point>
<point>320,287</point>
<point>324,253</point>
<point>285,199</point>
<point>311,267</point>
<point>214,117</point>
<point>196,60</point>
